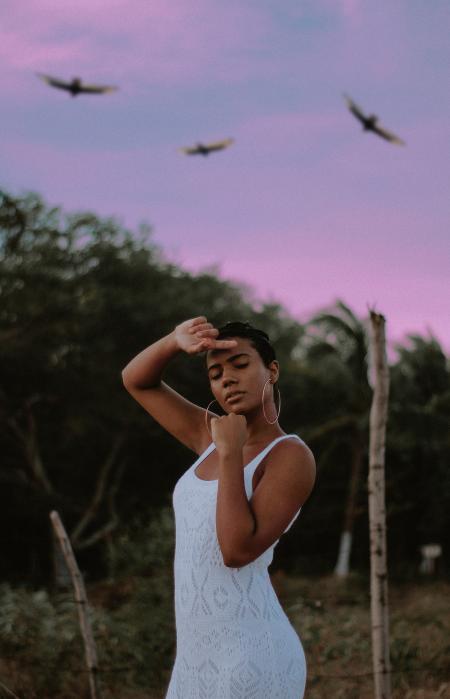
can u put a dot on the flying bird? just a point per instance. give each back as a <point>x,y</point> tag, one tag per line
<point>370,123</point>
<point>76,86</point>
<point>206,149</point>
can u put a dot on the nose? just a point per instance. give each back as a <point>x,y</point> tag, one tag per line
<point>227,378</point>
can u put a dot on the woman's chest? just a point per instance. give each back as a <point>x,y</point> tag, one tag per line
<point>208,470</point>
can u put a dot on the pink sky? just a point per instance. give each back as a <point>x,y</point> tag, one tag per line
<point>304,206</point>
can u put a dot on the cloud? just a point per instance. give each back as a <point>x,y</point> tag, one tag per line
<point>351,9</point>
<point>143,44</point>
<point>157,41</point>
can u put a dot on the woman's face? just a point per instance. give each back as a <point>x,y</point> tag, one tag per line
<point>237,376</point>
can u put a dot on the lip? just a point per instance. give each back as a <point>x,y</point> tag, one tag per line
<point>234,396</point>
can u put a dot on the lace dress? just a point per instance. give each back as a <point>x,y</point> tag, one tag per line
<point>234,641</point>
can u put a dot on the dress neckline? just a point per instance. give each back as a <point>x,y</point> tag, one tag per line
<point>210,448</point>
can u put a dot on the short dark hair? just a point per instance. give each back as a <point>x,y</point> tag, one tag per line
<point>258,338</point>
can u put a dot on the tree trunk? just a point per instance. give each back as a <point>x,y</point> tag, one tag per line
<point>377,512</point>
<point>92,509</point>
<point>345,547</point>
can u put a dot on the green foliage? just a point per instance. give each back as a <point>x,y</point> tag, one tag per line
<point>137,640</point>
<point>418,446</point>
<point>140,633</point>
<point>404,652</point>
<point>79,297</point>
<point>145,547</point>
<point>40,636</point>
<point>132,618</point>
<point>42,650</point>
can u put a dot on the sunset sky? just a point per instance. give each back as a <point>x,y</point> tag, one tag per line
<point>304,207</point>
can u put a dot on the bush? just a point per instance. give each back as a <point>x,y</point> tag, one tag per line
<point>132,617</point>
<point>39,640</point>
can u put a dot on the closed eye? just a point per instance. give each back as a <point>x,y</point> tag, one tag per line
<point>236,366</point>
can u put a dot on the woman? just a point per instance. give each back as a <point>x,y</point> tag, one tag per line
<point>245,489</point>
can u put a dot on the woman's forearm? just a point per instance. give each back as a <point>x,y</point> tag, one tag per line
<point>235,521</point>
<point>146,369</point>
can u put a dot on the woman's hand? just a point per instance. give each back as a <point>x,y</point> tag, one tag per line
<point>197,335</point>
<point>229,433</point>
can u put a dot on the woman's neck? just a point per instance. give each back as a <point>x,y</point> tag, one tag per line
<point>259,431</point>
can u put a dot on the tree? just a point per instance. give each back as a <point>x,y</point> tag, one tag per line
<point>80,296</point>
<point>418,448</point>
<point>48,302</point>
<point>339,347</point>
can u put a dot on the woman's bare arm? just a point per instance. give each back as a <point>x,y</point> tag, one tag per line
<point>142,378</point>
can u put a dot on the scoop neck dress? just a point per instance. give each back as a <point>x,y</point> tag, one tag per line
<point>233,638</point>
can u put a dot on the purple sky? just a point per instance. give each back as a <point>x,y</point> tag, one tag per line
<point>304,207</point>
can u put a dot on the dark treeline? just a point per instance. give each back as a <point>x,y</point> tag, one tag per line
<point>80,296</point>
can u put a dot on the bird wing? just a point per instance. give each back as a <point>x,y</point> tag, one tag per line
<point>189,151</point>
<point>97,89</point>
<point>54,82</point>
<point>353,107</point>
<point>388,135</point>
<point>219,145</point>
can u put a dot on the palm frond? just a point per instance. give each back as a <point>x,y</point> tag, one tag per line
<point>332,425</point>
<point>334,323</point>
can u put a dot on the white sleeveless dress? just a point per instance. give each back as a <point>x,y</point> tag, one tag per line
<point>234,641</point>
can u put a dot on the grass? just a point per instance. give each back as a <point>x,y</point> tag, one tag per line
<point>331,617</point>
<point>333,620</point>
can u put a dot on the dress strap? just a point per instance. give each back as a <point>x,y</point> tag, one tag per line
<point>251,468</point>
<point>203,456</point>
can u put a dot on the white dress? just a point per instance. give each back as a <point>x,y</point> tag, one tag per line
<point>234,641</point>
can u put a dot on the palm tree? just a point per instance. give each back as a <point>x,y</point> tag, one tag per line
<point>418,443</point>
<point>338,337</point>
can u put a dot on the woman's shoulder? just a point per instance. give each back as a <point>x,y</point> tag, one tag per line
<point>293,440</point>
<point>290,467</point>
<point>292,450</point>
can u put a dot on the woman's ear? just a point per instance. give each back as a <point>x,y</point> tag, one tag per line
<point>274,371</point>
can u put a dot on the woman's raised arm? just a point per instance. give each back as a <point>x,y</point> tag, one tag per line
<point>142,378</point>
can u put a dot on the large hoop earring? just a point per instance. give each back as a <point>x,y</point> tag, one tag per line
<point>206,417</point>
<point>271,422</point>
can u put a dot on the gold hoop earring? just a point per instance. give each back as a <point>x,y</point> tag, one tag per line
<point>279,404</point>
<point>206,416</point>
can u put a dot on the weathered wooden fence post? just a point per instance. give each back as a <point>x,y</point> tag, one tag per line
<point>7,692</point>
<point>377,510</point>
<point>82,603</point>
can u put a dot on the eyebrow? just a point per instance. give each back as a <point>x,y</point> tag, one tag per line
<point>230,359</point>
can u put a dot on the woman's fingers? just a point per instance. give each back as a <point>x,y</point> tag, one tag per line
<point>199,347</point>
<point>224,344</point>
<point>207,332</point>
<point>200,328</point>
<point>208,343</point>
<point>197,322</point>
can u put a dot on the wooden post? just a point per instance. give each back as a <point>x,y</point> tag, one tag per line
<point>430,554</point>
<point>82,603</point>
<point>8,691</point>
<point>377,511</point>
